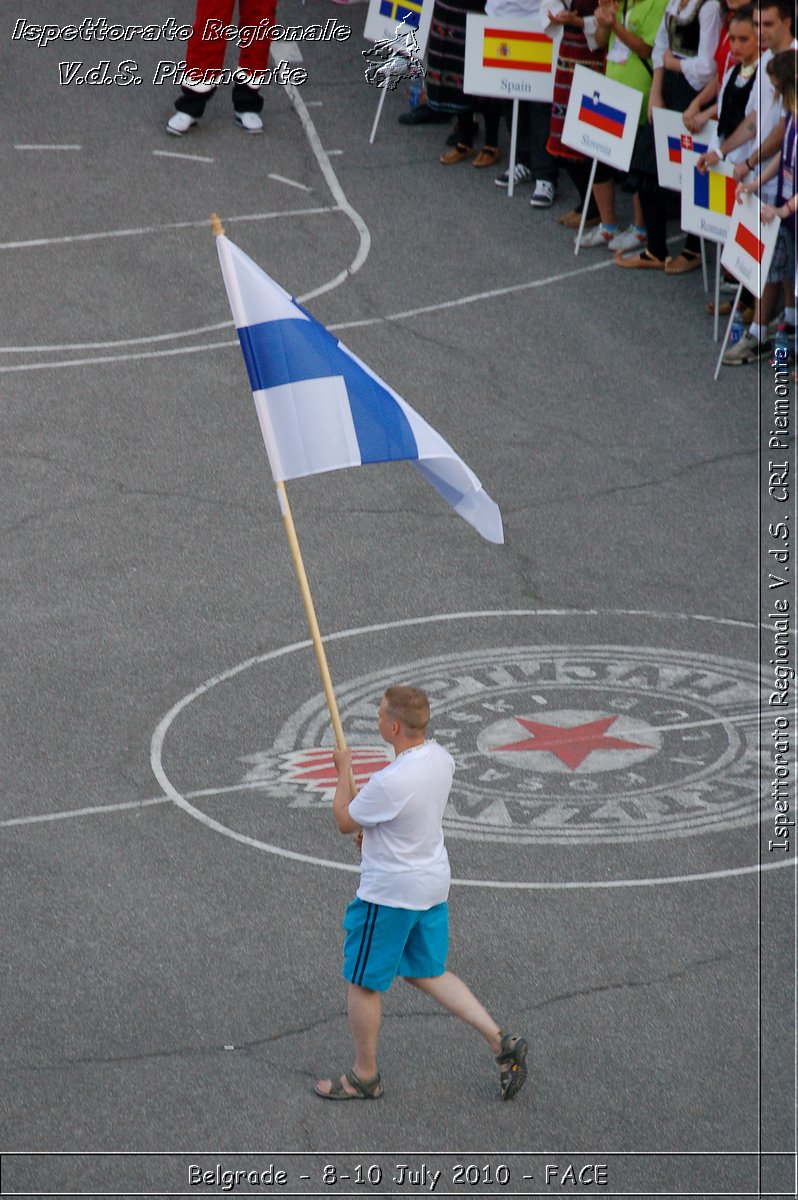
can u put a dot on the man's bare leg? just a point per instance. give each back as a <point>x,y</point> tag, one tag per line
<point>452,994</point>
<point>365,1017</point>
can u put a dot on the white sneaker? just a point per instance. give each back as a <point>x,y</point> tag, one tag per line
<point>630,239</point>
<point>748,349</point>
<point>600,236</point>
<point>180,123</point>
<point>543,195</point>
<point>250,122</point>
<point>521,174</point>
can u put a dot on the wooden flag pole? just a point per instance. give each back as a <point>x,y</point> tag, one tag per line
<point>310,613</point>
<point>304,587</point>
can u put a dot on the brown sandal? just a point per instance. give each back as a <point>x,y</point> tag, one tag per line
<point>645,260</point>
<point>365,1089</point>
<point>688,260</point>
<point>456,154</point>
<point>487,157</point>
<point>512,1064</point>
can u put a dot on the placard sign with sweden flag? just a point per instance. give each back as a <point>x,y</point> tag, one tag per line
<point>385,16</point>
<point>601,119</point>
<point>509,57</point>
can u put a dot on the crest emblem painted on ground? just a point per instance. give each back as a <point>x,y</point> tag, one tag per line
<point>555,744</point>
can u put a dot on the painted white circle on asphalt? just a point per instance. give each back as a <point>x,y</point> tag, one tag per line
<point>160,733</point>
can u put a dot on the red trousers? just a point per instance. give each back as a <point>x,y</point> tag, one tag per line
<point>206,46</point>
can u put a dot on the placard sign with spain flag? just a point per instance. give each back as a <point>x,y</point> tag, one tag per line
<point>749,245</point>
<point>707,198</point>
<point>509,57</point>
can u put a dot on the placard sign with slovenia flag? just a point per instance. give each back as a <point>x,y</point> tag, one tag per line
<point>601,120</point>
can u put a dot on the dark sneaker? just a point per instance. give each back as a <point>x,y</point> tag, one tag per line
<point>543,195</point>
<point>521,174</point>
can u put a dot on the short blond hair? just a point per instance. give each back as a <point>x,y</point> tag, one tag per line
<point>409,706</point>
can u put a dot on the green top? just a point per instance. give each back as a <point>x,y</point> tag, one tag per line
<point>643,19</point>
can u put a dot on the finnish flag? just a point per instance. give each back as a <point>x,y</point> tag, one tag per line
<point>320,408</point>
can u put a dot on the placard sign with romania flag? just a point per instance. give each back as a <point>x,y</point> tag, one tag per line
<point>509,57</point>
<point>707,198</point>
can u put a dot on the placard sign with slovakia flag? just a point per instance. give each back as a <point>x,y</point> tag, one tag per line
<point>602,117</point>
<point>672,138</point>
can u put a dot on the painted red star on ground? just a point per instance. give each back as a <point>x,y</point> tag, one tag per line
<point>572,744</point>
<point>315,768</point>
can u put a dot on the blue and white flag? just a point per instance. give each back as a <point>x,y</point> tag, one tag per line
<point>320,408</point>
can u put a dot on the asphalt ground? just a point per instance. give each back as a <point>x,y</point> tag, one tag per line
<point>172,883</point>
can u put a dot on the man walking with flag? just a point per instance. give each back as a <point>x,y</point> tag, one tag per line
<point>397,925</point>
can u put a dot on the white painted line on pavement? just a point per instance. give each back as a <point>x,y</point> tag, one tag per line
<point>495,293</point>
<point>341,205</point>
<point>338,194</point>
<point>190,157</point>
<point>43,818</point>
<point>117,233</point>
<point>28,146</point>
<point>291,182</point>
<point>114,358</point>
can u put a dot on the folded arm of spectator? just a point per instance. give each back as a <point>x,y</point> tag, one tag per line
<point>697,113</point>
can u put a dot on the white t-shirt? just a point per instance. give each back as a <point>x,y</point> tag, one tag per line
<point>767,106</point>
<point>404,861</point>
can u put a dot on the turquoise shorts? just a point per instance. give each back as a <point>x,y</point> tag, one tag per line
<point>383,942</point>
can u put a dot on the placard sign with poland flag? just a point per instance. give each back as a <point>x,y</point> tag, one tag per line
<point>602,117</point>
<point>750,245</point>
<point>707,198</point>
<point>671,139</point>
<point>509,57</point>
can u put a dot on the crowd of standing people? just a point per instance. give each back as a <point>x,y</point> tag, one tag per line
<point>722,60</point>
<point>706,59</point>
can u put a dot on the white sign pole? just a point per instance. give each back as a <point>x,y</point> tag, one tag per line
<point>513,147</point>
<point>728,330</point>
<point>717,292</point>
<point>585,206</point>
<point>380,103</point>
